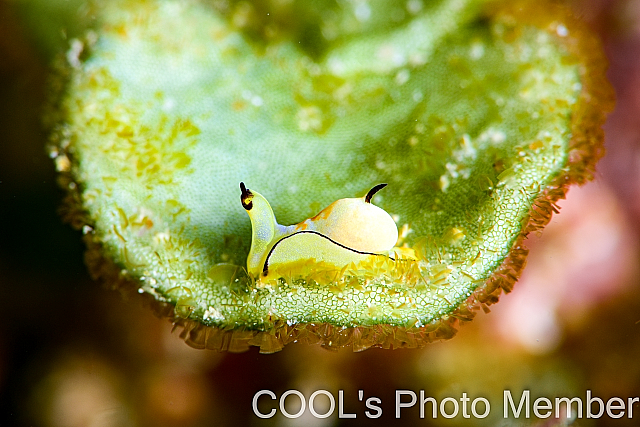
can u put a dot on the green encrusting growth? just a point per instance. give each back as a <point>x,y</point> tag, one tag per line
<point>477,116</point>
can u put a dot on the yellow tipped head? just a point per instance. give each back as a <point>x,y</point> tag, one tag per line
<point>264,228</point>
<point>246,197</point>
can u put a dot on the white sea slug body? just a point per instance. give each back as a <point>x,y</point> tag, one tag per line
<point>347,231</point>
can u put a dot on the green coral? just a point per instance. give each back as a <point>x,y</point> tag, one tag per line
<point>470,114</point>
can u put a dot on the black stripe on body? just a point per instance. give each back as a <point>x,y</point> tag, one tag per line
<point>265,269</point>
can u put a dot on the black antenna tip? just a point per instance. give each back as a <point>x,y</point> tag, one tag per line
<point>244,196</point>
<point>373,191</point>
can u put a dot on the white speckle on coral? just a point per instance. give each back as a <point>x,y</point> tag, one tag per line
<point>256,101</point>
<point>417,59</point>
<point>390,55</point>
<point>468,150</point>
<point>414,6</point>
<point>444,182</point>
<point>402,77</point>
<point>212,314</point>
<point>362,11</point>
<point>562,31</point>
<point>309,118</point>
<point>336,66</point>
<point>498,136</point>
<point>452,169</point>
<point>477,50</point>
<point>494,136</point>
<point>168,105</point>
<point>162,237</point>
<point>544,51</point>
<point>74,52</point>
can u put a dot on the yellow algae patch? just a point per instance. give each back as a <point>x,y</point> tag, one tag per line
<point>151,153</point>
